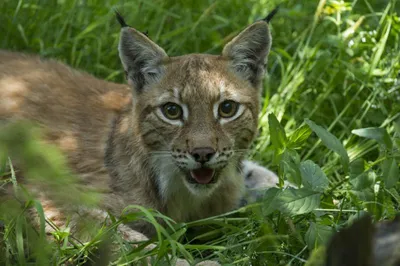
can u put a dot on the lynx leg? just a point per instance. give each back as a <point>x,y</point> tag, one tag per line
<point>57,218</point>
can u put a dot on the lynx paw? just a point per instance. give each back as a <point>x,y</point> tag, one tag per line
<point>257,176</point>
<point>257,179</point>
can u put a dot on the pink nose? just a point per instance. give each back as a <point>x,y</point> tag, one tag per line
<point>203,154</point>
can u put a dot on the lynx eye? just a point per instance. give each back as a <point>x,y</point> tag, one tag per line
<point>172,111</point>
<point>227,109</point>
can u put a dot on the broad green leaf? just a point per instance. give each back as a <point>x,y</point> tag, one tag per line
<point>389,205</point>
<point>379,204</point>
<point>313,177</point>
<point>330,141</point>
<point>396,126</point>
<point>353,218</point>
<point>270,200</point>
<point>357,167</point>
<point>298,201</point>
<point>390,173</point>
<point>317,235</point>
<point>358,178</point>
<point>378,134</point>
<point>363,181</point>
<point>290,163</point>
<point>362,195</point>
<point>299,136</point>
<point>395,194</point>
<point>277,132</point>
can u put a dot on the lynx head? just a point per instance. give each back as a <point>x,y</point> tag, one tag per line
<point>197,113</point>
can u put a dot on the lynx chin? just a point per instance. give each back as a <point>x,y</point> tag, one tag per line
<point>174,140</point>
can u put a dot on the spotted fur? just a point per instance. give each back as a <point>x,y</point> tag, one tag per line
<point>117,138</point>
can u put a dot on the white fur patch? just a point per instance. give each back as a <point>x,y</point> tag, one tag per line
<point>257,176</point>
<point>257,180</point>
<point>183,199</point>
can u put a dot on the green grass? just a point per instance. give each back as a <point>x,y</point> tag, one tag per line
<point>334,67</point>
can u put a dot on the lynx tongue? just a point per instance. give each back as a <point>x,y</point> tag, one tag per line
<point>202,175</point>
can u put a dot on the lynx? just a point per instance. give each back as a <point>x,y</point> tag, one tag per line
<point>174,140</point>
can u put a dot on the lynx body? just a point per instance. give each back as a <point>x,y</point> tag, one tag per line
<point>173,140</point>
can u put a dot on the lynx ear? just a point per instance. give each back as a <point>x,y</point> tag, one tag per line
<point>142,58</point>
<point>248,52</point>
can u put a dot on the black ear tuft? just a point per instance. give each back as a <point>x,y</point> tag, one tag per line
<point>248,52</point>
<point>120,19</point>
<point>271,14</point>
<point>141,57</point>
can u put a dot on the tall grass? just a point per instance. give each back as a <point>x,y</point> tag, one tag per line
<point>333,70</point>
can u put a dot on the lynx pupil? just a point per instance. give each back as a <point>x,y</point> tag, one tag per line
<point>172,111</point>
<point>227,109</point>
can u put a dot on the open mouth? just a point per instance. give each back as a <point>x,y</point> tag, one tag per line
<point>202,176</point>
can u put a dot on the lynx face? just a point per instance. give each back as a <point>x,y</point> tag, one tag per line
<point>197,121</point>
<point>196,114</point>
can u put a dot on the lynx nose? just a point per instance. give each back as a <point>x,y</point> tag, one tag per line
<point>202,155</point>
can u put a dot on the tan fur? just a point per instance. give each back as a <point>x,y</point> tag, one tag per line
<point>113,135</point>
